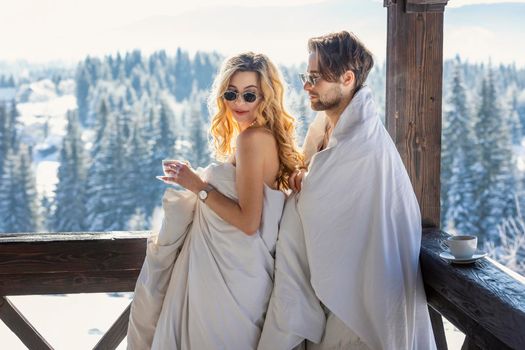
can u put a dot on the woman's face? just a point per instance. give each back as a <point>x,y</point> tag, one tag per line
<point>245,84</point>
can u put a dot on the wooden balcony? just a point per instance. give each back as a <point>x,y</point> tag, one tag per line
<point>63,263</point>
<point>484,300</point>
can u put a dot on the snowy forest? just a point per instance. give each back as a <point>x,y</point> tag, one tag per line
<point>80,147</point>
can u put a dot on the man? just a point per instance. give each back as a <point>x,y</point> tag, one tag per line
<point>347,262</point>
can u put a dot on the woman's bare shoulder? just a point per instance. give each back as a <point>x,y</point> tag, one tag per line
<point>257,138</point>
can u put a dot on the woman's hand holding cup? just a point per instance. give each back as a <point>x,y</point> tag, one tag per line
<point>181,173</point>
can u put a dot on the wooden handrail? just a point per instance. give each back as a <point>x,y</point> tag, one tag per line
<point>62,263</point>
<point>484,300</point>
<point>49,263</point>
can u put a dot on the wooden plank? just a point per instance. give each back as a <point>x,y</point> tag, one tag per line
<point>481,299</point>
<point>6,237</point>
<point>51,254</point>
<point>468,344</point>
<point>473,330</point>
<point>412,6</point>
<point>438,328</point>
<point>413,99</point>
<point>427,2</point>
<point>20,326</point>
<point>116,333</point>
<point>416,8</point>
<point>69,282</point>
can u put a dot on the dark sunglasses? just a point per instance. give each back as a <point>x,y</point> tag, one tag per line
<point>249,97</point>
<point>309,78</point>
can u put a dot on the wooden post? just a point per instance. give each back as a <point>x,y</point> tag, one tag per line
<point>414,69</point>
<point>21,326</point>
<point>414,73</point>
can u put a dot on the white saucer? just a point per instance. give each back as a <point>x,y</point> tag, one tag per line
<point>449,257</point>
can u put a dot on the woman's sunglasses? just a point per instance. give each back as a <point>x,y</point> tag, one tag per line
<point>249,97</point>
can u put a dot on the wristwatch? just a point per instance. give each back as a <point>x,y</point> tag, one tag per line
<point>203,194</point>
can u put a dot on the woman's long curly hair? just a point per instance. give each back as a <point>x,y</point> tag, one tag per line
<point>270,113</point>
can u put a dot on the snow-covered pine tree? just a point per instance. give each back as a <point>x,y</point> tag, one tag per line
<point>199,152</point>
<point>13,126</point>
<point>104,210</point>
<point>516,129</point>
<point>163,147</point>
<point>136,179</point>
<point>459,161</point>
<point>18,205</point>
<point>497,182</point>
<point>183,75</point>
<point>8,192</point>
<point>82,86</point>
<point>302,112</point>
<point>69,201</point>
<point>204,70</point>
<point>4,137</point>
<point>27,208</point>
<point>101,121</point>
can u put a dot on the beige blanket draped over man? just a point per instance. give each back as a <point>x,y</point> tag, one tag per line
<point>350,239</point>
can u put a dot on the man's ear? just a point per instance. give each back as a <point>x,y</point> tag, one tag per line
<point>348,78</point>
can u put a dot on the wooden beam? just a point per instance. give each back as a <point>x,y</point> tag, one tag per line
<point>21,327</point>
<point>413,6</point>
<point>475,334</point>
<point>439,330</point>
<point>116,333</point>
<point>69,282</point>
<point>413,99</point>
<point>70,253</point>
<point>70,263</point>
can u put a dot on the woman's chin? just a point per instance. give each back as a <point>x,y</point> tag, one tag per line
<point>242,119</point>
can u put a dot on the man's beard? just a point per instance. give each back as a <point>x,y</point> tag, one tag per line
<point>329,101</point>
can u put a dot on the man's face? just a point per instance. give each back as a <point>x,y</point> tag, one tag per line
<point>324,95</point>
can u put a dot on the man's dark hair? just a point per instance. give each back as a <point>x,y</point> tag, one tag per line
<point>339,52</point>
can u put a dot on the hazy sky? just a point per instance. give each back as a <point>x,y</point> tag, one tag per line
<point>42,30</point>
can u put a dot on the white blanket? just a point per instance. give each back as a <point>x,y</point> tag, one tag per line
<point>216,293</point>
<point>362,234</point>
<point>161,252</point>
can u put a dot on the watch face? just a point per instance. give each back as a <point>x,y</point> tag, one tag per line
<point>203,195</point>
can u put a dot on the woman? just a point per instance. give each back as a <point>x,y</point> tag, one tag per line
<point>216,293</point>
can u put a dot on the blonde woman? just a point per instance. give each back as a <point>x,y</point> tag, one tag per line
<point>225,226</point>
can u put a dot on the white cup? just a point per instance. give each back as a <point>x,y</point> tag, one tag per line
<point>166,162</point>
<point>462,247</point>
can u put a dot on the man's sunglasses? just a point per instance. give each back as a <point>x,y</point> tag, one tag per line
<point>309,78</point>
<point>230,95</point>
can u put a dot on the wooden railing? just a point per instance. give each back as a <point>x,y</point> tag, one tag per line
<point>483,300</point>
<point>63,263</point>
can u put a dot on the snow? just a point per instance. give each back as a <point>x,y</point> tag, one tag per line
<point>66,87</point>
<point>40,104</point>
<point>52,111</point>
<point>519,153</point>
<point>78,321</point>
<point>46,177</point>
<point>43,125</point>
<point>73,321</point>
